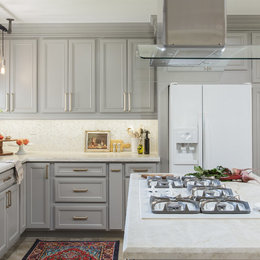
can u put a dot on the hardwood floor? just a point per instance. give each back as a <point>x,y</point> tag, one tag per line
<point>18,251</point>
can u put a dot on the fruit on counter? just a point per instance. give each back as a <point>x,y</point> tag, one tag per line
<point>19,142</point>
<point>25,141</point>
<point>1,137</point>
<point>224,174</point>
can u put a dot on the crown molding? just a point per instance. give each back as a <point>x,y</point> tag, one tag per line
<point>243,22</point>
<point>106,30</point>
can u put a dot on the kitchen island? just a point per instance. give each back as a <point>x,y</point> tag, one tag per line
<point>192,238</point>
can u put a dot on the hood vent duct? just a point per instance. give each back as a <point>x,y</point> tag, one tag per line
<point>192,33</point>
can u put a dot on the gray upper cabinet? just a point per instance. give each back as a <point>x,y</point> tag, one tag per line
<point>256,64</point>
<point>126,81</point>
<point>19,84</point>
<point>234,39</point>
<point>82,76</point>
<point>113,75</point>
<point>68,76</point>
<point>53,75</point>
<point>23,76</point>
<point>140,79</point>
<point>38,195</point>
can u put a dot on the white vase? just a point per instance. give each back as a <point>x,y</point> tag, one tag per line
<point>134,145</point>
<point>21,150</point>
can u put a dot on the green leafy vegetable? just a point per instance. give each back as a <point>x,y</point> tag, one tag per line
<point>216,172</point>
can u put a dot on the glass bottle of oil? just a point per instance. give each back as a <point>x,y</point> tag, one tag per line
<point>140,147</point>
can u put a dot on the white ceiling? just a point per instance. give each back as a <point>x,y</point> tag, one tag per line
<point>97,11</point>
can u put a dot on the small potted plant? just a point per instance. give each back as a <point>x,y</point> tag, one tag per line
<point>136,136</point>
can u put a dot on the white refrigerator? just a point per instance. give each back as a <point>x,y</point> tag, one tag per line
<point>210,125</point>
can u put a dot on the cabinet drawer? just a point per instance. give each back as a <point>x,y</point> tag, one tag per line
<point>80,189</point>
<point>81,217</point>
<point>6,179</point>
<point>140,168</point>
<point>80,169</point>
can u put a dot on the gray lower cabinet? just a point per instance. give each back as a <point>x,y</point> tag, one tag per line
<point>3,224</point>
<point>13,213</point>
<point>116,196</point>
<point>127,180</point>
<point>80,193</point>
<point>80,189</point>
<point>136,168</point>
<point>22,199</point>
<point>83,216</point>
<point>38,195</point>
<point>140,168</point>
<point>79,169</point>
<point>9,218</point>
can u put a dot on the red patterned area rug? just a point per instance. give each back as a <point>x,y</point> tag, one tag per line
<point>74,250</point>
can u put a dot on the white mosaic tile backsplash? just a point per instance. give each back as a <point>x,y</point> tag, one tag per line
<point>68,135</point>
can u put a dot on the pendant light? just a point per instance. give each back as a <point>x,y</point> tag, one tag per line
<point>9,30</point>
<point>2,70</point>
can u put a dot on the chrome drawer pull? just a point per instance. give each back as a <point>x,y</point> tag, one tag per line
<point>7,179</point>
<point>140,170</point>
<point>7,199</point>
<point>85,190</point>
<point>80,218</point>
<point>116,170</point>
<point>80,170</point>
<point>47,172</point>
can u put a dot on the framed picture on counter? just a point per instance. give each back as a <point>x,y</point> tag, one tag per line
<point>97,141</point>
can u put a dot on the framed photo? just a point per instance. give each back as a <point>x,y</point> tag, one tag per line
<point>97,141</point>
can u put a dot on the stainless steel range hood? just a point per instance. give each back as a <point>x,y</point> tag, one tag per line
<point>193,33</point>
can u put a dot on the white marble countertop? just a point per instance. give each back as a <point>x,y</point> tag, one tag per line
<point>191,238</point>
<point>5,166</point>
<point>78,157</point>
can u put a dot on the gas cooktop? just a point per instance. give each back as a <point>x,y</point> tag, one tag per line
<point>189,195</point>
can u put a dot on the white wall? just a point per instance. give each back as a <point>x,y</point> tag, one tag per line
<point>97,11</point>
<point>243,7</point>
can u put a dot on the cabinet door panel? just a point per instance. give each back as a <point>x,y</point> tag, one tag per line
<point>54,71</point>
<point>116,196</point>
<point>23,202</point>
<point>140,79</point>
<point>112,75</point>
<point>256,63</point>
<point>13,231</point>
<point>38,195</point>
<point>82,75</point>
<point>234,39</point>
<point>4,82</point>
<point>23,82</point>
<point>3,236</point>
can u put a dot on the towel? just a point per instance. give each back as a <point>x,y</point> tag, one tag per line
<point>18,171</point>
